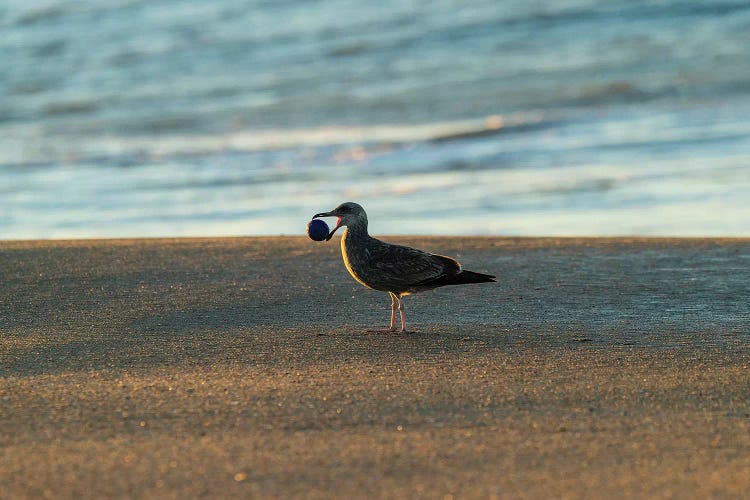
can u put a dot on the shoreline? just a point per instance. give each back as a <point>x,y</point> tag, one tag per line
<point>245,366</point>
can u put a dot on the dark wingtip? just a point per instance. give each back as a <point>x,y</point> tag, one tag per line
<point>462,278</point>
<point>472,277</point>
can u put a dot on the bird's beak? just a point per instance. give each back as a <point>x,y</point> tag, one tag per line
<point>329,214</point>
<point>338,225</point>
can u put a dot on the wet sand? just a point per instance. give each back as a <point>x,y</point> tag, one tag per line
<point>246,367</point>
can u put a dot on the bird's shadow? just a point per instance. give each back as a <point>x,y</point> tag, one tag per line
<point>399,333</point>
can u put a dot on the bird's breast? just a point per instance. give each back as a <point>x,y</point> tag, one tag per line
<point>352,259</point>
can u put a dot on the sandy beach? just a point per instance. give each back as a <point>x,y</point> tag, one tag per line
<point>247,367</point>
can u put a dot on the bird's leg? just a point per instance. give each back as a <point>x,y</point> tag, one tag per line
<point>401,313</point>
<point>394,302</point>
<point>394,306</point>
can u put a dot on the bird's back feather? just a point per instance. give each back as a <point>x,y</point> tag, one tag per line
<point>396,268</point>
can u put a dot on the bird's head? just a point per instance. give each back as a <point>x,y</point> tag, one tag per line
<point>349,214</point>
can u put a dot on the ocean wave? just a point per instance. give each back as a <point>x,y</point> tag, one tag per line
<point>55,149</point>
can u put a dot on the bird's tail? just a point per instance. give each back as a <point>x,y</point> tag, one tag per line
<point>466,277</point>
<point>462,278</point>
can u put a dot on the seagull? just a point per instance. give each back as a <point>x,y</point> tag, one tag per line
<point>396,269</point>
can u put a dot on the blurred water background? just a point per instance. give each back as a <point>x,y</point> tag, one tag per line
<point>517,117</point>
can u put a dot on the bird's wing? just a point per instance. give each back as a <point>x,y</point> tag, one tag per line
<point>398,266</point>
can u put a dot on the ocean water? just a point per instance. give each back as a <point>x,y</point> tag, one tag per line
<point>500,117</point>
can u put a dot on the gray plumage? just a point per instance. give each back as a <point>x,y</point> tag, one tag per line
<point>396,269</point>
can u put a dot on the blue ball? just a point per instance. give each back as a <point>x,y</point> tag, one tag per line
<point>317,230</point>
